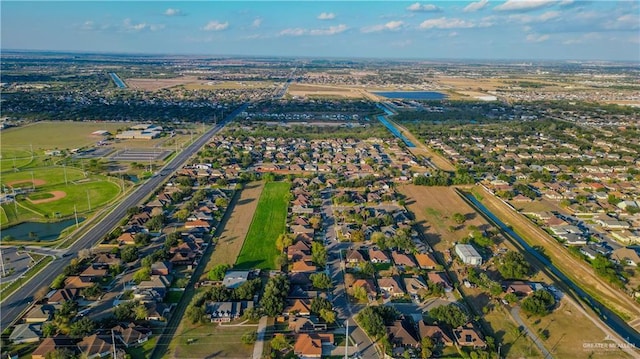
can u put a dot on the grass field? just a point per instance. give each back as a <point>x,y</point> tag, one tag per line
<point>81,192</point>
<point>211,341</point>
<point>11,158</point>
<point>51,135</point>
<point>259,249</point>
<point>235,228</point>
<point>143,351</point>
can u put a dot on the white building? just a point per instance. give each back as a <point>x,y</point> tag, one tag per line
<point>468,254</point>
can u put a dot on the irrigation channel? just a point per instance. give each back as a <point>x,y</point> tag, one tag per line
<point>611,319</point>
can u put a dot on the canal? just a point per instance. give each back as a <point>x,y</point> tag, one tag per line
<point>117,80</point>
<point>611,319</point>
<point>395,131</point>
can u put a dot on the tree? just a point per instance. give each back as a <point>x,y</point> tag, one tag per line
<point>372,320</point>
<point>319,304</point>
<point>84,254</point>
<point>125,311</point>
<point>82,327</point>
<point>144,273</point>
<point>217,272</point>
<point>142,239</point>
<point>459,218</point>
<point>129,253</point>
<point>283,241</point>
<point>58,282</point>
<point>366,268</point>
<point>195,313</point>
<point>357,236</point>
<point>511,298</point>
<point>539,303</point>
<point>321,280</point>
<point>427,346</point>
<point>318,254</point>
<point>92,292</point>
<point>140,312</point>
<point>279,342</point>
<point>49,329</point>
<point>513,265</point>
<point>328,316</point>
<point>156,223</point>
<point>450,314</point>
<point>275,294</point>
<point>249,337</point>
<point>61,353</point>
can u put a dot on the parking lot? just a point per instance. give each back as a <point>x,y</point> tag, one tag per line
<point>140,154</point>
<point>15,262</point>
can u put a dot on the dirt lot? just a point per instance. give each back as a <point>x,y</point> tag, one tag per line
<point>236,228</point>
<point>157,84</point>
<point>572,267</point>
<point>434,208</point>
<point>423,150</point>
<point>539,205</point>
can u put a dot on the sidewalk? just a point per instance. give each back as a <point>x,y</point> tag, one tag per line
<point>259,345</point>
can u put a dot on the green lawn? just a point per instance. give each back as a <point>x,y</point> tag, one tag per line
<point>59,134</point>
<point>259,248</point>
<point>14,158</point>
<point>143,351</point>
<point>212,340</point>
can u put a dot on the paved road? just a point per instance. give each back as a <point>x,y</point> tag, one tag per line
<point>259,345</point>
<point>515,313</point>
<point>15,304</point>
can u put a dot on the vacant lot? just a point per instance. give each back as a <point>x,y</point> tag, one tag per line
<point>236,227</point>
<point>54,135</point>
<point>157,84</point>
<point>423,150</point>
<point>259,248</point>
<point>323,90</point>
<point>434,208</point>
<point>574,268</point>
<point>211,341</point>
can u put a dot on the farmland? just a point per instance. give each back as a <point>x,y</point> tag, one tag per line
<point>259,248</point>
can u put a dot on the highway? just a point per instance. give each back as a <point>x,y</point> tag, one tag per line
<point>19,300</point>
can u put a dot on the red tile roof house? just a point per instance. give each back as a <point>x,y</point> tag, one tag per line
<point>132,335</point>
<point>434,332</point>
<point>426,261</point>
<point>378,256</point>
<point>402,335</point>
<point>50,344</point>
<point>439,278</point>
<point>310,345</point>
<point>368,286</point>
<point>390,287</point>
<point>354,256</point>
<point>95,346</point>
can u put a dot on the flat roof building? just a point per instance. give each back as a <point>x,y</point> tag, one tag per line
<point>468,254</point>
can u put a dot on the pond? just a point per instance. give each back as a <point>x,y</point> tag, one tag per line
<point>412,95</point>
<point>41,231</point>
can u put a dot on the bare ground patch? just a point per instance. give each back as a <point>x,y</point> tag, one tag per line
<point>56,196</point>
<point>236,228</point>
<point>35,182</point>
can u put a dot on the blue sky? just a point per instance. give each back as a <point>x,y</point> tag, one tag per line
<point>483,29</point>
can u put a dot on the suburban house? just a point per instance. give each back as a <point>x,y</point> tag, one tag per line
<point>227,311</point>
<point>310,324</point>
<point>132,335</point>
<point>368,286</point>
<point>354,256</point>
<point>402,335</point>
<point>161,268</point>
<point>303,267</point>
<point>626,257</point>
<point>298,307</point>
<point>401,259</point>
<point>468,336</point>
<point>378,256</point>
<point>426,260</point>
<point>26,333</point>
<point>310,345</point>
<point>434,332</point>
<point>390,287</point>
<point>39,313</point>
<point>95,346</point>
<point>439,278</point>
<point>415,285</point>
<point>78,282</point>
<point>233,279</point>
<point>49,345</point>
<point>519,288</point>
<point>63,295</point>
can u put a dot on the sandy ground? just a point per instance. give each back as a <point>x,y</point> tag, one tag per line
<point>56,196</point>
<point>36,182</point>
<point>157,84</point>
<point>421,149</point>
<point>236,228</point>
<point>321,90</point>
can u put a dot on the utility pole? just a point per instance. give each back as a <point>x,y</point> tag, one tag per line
<point>2,263</point>
<point>75,212</point>
<point>64,167</point>
<point>346,342</point>
<point>89,200</point>
<point>33,182</point>
<point>113,345</point>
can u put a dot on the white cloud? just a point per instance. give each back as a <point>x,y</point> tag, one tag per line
<point>528,19</point>
<point>537,38</point>
<point>391,26</point>
<point>332,30</point>
<point>256,23</point>
<point>524,5</point>
<point>417,7</point>
<point>216,25</point>
<point>88,25</point>
<point>453,34</point>
<point>130,26</point>
<point>475,6</point>
<point>293,32</point>
<point>446,23</point>
<point>326,16</point>
<point>403,43</point>
<point>173,12</point>
<point>624,22</point>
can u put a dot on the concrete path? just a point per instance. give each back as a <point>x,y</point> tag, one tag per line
<point>259,345</point>
<point>515,313</point>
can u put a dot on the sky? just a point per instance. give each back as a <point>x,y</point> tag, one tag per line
<point>483,29</point>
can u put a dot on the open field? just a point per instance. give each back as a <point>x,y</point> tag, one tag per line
<point>52,196</point>
<point>434,208</point>
<point>143,351</point>
<point>503,329</point>
<point>539,205</point>
<point>13,158</point>
<point>235,229</point>
<point>304,90</point>
<point>574,268</point>
<point>211,340</point>
<point>568,331</point>
<point>157,84</point>
<point>193,83</point>
<point>52,135</point>
<point>259,248</point>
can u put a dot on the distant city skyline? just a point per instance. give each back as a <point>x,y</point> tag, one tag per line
<point>512,29</point>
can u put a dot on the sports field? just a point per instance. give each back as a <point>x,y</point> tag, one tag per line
<point>51,194</point>
<point>259,248</point>
<point>51,135</point>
